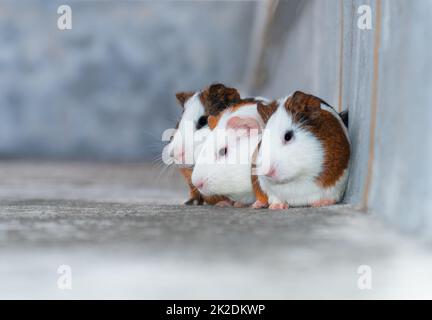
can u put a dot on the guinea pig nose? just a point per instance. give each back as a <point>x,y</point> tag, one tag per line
<point>180,156</point>
<point>271,173</point>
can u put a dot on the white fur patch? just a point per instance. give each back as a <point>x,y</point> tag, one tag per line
<point>228,175</point>
<point>187,138</point>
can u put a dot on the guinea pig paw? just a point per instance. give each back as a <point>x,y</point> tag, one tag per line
<point>323,203</point>
<point>224,204</point>
<point>278,206</point>
<point>259,204</point>
<point>239,204</point>
<point>193,202</point>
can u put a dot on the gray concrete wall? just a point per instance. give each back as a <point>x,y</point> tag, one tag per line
<point>402,175</point>
<point>382,76</point>
<point>105,89</point>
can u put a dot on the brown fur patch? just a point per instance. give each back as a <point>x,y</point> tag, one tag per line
<point>260,195</point>
<point>213,121</point>
<point>266,110</point>
<point>217,98</point>
<point>306,111</point>
<point>212,200</point>
<point>182,97</point>
<point>194,194</point>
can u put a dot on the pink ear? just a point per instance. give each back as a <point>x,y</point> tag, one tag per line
<point>244,126</point>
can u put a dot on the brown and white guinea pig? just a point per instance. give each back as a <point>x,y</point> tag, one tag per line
<point>223,166</point>
<point>192,130</point>
<point>304,154</point>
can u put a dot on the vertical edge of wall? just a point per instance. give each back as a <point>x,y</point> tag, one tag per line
<point>401,183</point>
<point>358,77</point>
<point>373,103</point>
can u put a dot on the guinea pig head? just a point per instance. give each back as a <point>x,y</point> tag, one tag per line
<point>304,138</point>
<point>192,129</point>
<point>224,163</point>
<point>288,148</point>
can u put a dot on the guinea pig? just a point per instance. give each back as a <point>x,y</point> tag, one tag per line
<point>192,130</point>
<point>223,166</point>
<point>304,154</point>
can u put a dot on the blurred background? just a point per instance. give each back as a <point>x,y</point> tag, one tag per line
<point>105,89</point>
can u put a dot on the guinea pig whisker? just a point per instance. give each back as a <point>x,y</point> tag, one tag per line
<point>162,171</point>
<point>152,135</point>
<point>157,161</point>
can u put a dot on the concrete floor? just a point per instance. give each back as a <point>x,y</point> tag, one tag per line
<point>120,230</point>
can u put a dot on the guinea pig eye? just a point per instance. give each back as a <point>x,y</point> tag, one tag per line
<point>288,135</point>
<point>201,122</point>
<point>223,151</point>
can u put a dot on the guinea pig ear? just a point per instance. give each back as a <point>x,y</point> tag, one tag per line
<point>301,102</point>
<point>182,97</point>
<point>220,92</point>
<point>266,110</point>
<point>231,95</point>
<point>313,103</point>
<point>244,126</point>
<point>217,97</point>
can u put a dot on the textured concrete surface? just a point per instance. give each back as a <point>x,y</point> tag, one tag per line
<point>120,229</point>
